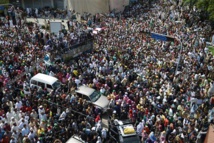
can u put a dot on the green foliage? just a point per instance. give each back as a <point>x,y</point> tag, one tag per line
<point>4,2</point>
<point>205,5</point>
<point>48,27</point>
<point>43,26</point>
<point>211,48</point>
<point>211,9</point>
<point>191,3</point>
<point>29,23</point>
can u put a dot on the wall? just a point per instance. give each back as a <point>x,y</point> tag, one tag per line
<point>59,4</point>
<point>118,5</point>
<point>91,6</point>
<point>37,3</point>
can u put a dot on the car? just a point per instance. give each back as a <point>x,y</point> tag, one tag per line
<point>123,132</point>
<point>93,96</point>
<point>75,139</point>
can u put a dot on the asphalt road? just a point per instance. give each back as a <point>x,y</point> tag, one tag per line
<point>105,121</point>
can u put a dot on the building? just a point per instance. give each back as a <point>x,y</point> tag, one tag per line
<point>80,6</point>
<point>61,4</point>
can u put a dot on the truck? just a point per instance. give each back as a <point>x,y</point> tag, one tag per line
<point>123,131</point>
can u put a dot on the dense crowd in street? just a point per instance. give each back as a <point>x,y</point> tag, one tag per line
<point>165,88</point>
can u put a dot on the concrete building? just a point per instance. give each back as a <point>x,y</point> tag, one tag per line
<point>80,6</point>
<point>40,3</point>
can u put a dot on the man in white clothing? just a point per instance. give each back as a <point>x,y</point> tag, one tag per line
<point>13,120</point>
<point>33,114</point>
<point>40,110</point>
<point>31,135</point>
<point>14,127</point>
<point>140,127</point>
<point>25,130</point>
<point>62,116</point>
<point>18,105</point>
<point>42,117</point>
<point>77,81</point>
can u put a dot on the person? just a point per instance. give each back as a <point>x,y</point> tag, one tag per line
<point>13,140</point>
<point>62,116</point>
<point>140,127</point>
<point>99,139</point>
<point>138,70</point>
<point>5,138</point>
<point>24,130</point>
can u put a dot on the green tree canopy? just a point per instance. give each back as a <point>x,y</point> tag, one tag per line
<point>204,5</point>
<point>4,2</point>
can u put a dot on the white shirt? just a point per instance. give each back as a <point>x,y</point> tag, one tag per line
<point>31,135</point>
<point>77,81</point>
<point>12,122</point>
<point>21,125</point>
<point>41,110</point>
<point>13,140</point>
<point>140,128</point>
<point>62,116</point>
<point>9,116</point>
<point>15,135</point>
<point>43,117</point>
<point>25,131</point>
<point>104,133</point>
<point>14,128</point>
<point>18,105</point>
<point>34,115</point>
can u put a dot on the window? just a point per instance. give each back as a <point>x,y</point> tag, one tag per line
<point>56,85</point>
<point>49,86</point>
<point>34,82</point>
<point>95,96</point>
<point>86,97</point>
<point>42,85</point>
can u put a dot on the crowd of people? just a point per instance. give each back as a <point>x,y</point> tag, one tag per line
<point>165,88</point>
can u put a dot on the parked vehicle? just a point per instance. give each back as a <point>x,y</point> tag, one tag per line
<point>43,81</point>
<point>123,132</point>
<point>93,96</point>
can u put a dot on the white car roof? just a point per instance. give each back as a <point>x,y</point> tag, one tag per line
<point>85,90</point>
<point>44,78</point>
<point>75,139</point>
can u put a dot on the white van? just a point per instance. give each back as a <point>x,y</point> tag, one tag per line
<point>42,81</point>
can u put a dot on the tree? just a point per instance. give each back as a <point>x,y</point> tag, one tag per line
<point>211,9</point>
<point>4,2</point>
<point>191,3</point>
<point>206,6</point>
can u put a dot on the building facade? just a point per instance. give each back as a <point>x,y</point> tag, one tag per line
<point>61,4</point>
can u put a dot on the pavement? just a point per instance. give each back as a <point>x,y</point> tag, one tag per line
<point>105,121</point>
<point>41,21</point>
